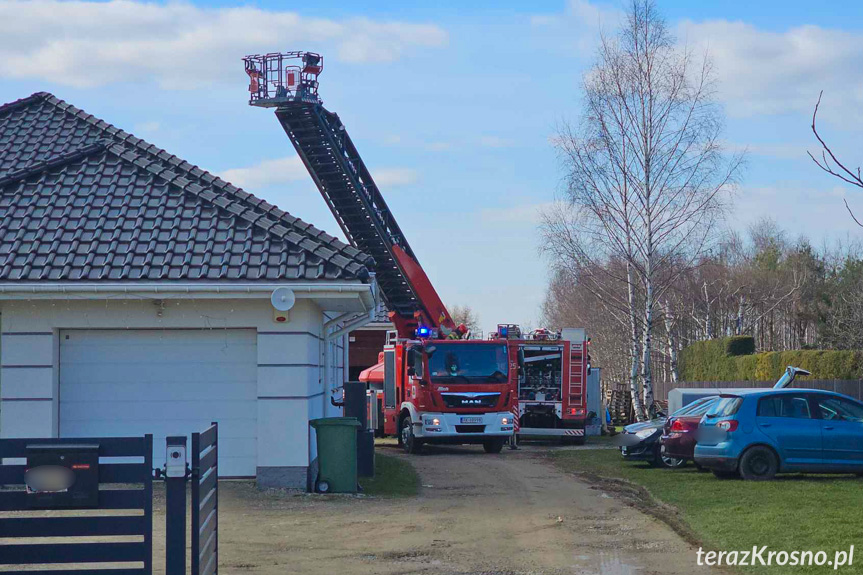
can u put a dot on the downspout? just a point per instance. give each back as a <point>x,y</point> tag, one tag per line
<point>325,368</point>
<point>355,321</point>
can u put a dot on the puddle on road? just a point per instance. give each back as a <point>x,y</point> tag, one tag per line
<point>611,564</point>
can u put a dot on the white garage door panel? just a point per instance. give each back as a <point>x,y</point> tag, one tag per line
<point>165,411</point>
<point>159,374</point>
<point>164,382</point>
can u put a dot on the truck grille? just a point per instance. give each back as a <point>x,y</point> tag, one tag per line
<point>470,399</point>
<point>469,428</point>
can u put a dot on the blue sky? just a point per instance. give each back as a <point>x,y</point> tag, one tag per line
<point>452,105</point>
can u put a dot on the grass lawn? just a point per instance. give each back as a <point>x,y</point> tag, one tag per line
<point>793,512</point>
<point>394,477</point>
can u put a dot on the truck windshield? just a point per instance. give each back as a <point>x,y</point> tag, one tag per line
<point>467,363</point>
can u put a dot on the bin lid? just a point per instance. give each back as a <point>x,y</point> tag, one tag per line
<point>335,421</point>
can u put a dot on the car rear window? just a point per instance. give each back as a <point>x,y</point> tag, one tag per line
<point>698,404</point>
<point>725,406</point>
<point>703,408</point>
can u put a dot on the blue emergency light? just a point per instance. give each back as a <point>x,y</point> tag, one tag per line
<point>423,331</point>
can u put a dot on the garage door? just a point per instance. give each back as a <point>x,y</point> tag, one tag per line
<point>164,382</point>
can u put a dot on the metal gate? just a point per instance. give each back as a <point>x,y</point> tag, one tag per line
<point>132,492</point>
<point>104,495</point>
<point>205,502</point>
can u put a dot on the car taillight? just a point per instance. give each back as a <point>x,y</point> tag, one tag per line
<point>727,425</point>
<point>677,425</point>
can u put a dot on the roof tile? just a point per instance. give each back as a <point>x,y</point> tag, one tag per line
<point>88,209</point>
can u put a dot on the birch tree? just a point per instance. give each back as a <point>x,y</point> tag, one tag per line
<point>646,177</point>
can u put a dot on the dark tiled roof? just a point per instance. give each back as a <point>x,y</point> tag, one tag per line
<point>82,200</point>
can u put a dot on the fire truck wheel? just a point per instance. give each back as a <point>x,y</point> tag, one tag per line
<point>493,445</point>
<point>409,441</point>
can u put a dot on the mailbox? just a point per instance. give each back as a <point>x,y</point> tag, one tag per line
<point>62,476</point>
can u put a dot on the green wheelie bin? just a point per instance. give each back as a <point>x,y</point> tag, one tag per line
<point>337,454</point>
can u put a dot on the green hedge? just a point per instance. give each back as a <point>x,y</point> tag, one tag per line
<point>732,359</point>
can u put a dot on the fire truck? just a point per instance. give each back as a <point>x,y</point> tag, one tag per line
<point>438,386</point>
<point>553,382</point>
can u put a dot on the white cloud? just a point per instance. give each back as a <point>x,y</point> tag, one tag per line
<point>765,72</point>
<point>818,213</point>
<point>760,72</point>
<point>780,151</point>
<point>290,169</point>
<point>267,173</point>
<point>148,127</point>
<point>576,29</point>
<point>437,146</point>
<point>180,46</point>
<point>394,177</point>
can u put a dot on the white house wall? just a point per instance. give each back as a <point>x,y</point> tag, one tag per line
<point>290,387</point>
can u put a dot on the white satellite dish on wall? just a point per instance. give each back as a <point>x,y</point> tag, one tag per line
<point>283,299</point>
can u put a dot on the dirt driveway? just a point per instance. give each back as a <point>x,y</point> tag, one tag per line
<point>507,514</point>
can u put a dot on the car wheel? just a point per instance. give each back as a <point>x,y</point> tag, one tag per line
<point>493,446</point>
<point>673,462</point>
<point>758,464</point>
<point>656,460</point>
<point>724,474</point>
<point>409,441</point>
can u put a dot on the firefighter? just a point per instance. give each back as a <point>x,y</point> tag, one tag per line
<point>459,332</point>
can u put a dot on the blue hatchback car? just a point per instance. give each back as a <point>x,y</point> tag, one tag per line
<point>760,433</point>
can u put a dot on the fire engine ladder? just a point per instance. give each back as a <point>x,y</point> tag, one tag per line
<point>347,186</point>
<point>576,373</point>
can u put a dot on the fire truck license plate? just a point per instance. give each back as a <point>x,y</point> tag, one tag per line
<point>471,420</point>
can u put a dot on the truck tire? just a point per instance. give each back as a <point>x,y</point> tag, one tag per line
<point>409,441</point>
<point>759,463</point>
<point>493,445</point>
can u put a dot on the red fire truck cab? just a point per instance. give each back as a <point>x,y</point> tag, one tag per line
<point>445,391</point>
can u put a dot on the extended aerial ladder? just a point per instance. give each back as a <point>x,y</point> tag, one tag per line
<point>288,82</point>
<point>433,384</point>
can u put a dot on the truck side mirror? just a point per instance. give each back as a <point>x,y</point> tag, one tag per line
<point>415,363</point>
<point>520,360</point>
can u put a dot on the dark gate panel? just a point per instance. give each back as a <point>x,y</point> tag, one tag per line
<point>132,490</point>
<point>205,501</point>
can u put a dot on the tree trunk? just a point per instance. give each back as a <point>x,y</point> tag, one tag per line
<point>647,366</point>
<point>637,405</point>
<point>739,330</point>
<point>708,326</point>
<point>671,343</point>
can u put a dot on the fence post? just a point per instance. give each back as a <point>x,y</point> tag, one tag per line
<point>175,505</point>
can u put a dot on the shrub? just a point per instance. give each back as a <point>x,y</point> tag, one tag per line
<point>733,359</point>
<point>709,360</point>
<point>739,345</point>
